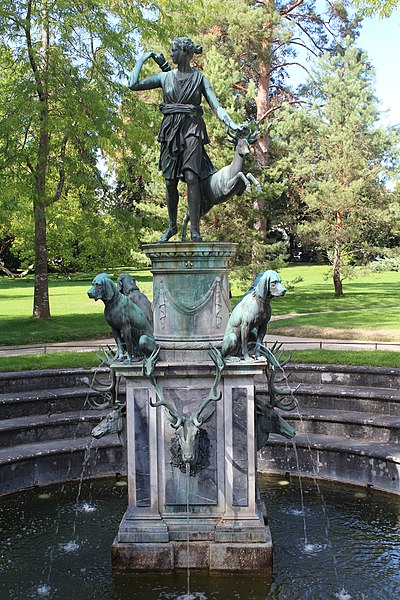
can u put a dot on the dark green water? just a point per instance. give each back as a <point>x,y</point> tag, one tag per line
<point>59,549</point>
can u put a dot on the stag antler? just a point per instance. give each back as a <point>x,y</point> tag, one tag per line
<point>176,419</point>
<point>273,357</point>
<point>148,369</point>
<point>253,136</point>
<point>212,396</point>
<point>251,131</point>
<point>289,401</point>
<point>109,392</point>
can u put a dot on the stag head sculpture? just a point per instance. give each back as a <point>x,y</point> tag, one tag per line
<point>190,439</point>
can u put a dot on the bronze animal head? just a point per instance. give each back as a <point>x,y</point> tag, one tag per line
<point>103,288</point>
<point>268,284</point>
<point>126,283</point>
<point>188,429</point>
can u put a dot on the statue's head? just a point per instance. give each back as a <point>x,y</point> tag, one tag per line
<point>186,46</point>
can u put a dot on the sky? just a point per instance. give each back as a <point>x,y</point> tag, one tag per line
<point>380,38</point>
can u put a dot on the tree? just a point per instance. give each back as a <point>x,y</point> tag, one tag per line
<point>342,158</point>
<point>61,63</point>
<point>249,49</point>
<point>371,7</point>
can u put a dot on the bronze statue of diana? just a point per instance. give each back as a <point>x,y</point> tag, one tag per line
<point>183,135</point>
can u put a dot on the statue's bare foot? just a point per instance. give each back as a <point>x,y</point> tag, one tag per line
<point>171,231</point>
<point>195,236</point>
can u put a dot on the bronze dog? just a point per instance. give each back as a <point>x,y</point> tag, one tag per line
<point>127,320</point>
<point>251,315</point>
<point>128,286</point>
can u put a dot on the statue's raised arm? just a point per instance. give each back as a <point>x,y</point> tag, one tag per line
<point>217,109</point>
<point>150,82</point>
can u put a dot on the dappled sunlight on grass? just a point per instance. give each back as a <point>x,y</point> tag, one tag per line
<point>371,304</point>
<point>377,358</point>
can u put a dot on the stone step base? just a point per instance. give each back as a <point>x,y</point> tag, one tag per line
<point>356,461</point>
<point>345,398</point>
<point>348,424</point>
<point>55,461</point>
<point>203,556</point>
<point>47,402</point>
<point>344,375</point>
<point>26,381</point>
<point>42,428</point>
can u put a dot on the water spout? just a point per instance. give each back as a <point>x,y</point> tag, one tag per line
<point>187,467</point>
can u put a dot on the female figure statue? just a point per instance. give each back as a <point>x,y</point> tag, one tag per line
<point>183,133</point>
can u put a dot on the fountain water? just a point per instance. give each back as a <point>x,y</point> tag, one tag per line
<point>365,529</point>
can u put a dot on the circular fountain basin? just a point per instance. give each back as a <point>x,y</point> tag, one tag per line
<point>330,541</point>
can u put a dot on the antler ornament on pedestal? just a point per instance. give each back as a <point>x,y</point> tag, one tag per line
<point>191,442</point>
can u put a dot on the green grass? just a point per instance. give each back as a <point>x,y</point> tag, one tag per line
<point>58,360</point>
<point>315,294</point>
<point>86,360</point>
<point>375,358</point>
<point>375,325</point>
<point>74,315</point>
<point>370,308</point>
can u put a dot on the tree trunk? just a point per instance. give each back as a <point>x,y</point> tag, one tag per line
<point>337,280</point>
<point>41,304</point>
<point>262,103</point>
<point>262,145</point>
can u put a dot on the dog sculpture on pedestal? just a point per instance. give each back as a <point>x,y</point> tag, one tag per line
<point>128,322</point>
<point>249,319</point>
<point>128,286</point>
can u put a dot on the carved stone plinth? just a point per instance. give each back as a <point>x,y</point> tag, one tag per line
<point>190,296</point>
<point>226,525</point>
<point>226,528</point>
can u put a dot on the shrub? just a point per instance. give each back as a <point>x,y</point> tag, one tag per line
<point>385,264</point>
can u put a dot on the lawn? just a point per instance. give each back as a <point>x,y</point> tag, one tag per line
<point>74,315</point>
<point>58,360</point>
<point>86,360</point>
<point>370,308</point>
<point>358,358</point>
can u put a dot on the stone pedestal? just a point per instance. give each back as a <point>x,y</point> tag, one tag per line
<point>225,528</point>
<point>190,296</point>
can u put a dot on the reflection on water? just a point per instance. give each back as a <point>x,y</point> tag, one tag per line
<point>51,549</point>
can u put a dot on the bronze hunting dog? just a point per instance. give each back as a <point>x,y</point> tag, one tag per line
<point>251,315</point>
<point>127,320</point>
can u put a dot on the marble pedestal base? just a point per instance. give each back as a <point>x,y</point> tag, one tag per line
<point>203,556</point>
<point>216,507</point>
<point>226,525</point>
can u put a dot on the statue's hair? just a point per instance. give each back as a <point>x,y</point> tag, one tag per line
<point>187,45</point>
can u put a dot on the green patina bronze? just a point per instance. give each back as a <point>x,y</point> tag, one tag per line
<point>131,329</point>
<point>183,134</point>
<point>247,324</point>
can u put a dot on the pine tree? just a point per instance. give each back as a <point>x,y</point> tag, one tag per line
<point>342,158</point>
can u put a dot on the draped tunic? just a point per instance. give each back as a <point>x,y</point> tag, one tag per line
<point>183,133</point>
